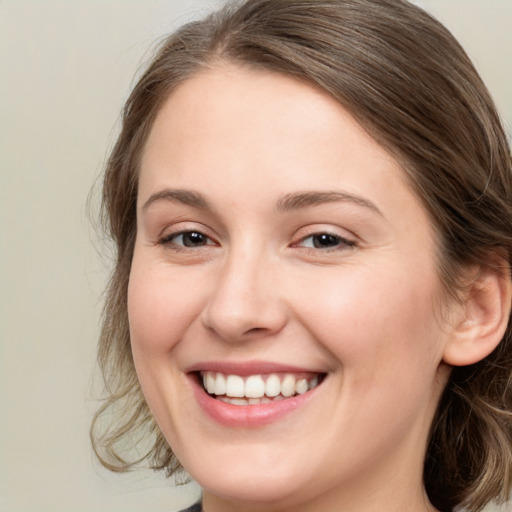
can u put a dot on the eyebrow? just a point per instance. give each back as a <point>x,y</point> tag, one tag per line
<point>186,197</point>
<point>299,200</point>
<point>289,202</point>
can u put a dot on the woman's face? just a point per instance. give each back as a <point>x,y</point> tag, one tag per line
<point>280,251</point>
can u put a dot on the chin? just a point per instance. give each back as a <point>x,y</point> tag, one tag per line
<point>252,477</point>
<point>252,488</point>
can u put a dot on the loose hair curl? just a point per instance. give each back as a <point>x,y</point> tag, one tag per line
<point>407,81</point>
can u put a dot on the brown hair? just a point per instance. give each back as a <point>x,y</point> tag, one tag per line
<point>403,76</point>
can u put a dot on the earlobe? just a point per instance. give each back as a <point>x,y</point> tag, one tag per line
<point>483,318</point>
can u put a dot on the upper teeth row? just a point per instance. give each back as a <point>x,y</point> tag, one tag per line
<point>255,386</point>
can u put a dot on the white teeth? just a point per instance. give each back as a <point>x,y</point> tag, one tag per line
<point>210,383</point>
<point>288,386</point>
<point>239,401</point>
<point>256,389</point>
<point>249,401</point>
<point>272,386</point>
<point>235,386</point>
<point>301,386</point>
<point>220,384</point>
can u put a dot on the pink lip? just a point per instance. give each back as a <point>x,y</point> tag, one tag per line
<point>248,368</point>
<point>247,415</point>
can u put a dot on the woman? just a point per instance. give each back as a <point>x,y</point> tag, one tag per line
<point>312,206</point>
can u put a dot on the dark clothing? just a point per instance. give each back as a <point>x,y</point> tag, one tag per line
<point>194,508</point>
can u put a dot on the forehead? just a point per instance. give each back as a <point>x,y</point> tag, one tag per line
<point>232,131</point>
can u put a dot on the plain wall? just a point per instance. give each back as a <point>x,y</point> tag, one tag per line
<point>66,69</point>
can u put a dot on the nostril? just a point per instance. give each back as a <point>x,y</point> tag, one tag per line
<point>255,330</point>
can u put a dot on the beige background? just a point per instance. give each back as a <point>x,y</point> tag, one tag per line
<point>66,67</point>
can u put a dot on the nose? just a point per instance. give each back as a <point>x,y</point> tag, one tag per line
<point>245,301</point>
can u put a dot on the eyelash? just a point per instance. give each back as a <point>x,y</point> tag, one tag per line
<point>340,242</point>
<point>169,239</point>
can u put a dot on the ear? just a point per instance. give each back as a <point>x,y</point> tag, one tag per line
<point>483,317</point>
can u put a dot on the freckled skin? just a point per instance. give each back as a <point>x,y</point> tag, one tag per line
<point>259,285</point>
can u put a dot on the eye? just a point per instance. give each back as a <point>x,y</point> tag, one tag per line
<point>325,241</point>
<point>188,239</point>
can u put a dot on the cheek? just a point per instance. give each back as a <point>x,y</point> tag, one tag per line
<point>161,306</point>
<point>385,343</point>
<point>378,314</point>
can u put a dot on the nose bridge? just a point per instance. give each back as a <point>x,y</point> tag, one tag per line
<point>245,300</point>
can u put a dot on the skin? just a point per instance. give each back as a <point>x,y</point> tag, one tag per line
<point>366,310</point>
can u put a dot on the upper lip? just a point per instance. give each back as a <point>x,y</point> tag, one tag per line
<point>244,368</point>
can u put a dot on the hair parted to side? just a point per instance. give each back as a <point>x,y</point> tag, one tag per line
<point>406,80</point>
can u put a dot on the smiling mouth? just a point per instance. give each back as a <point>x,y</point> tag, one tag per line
<point>257,389</point>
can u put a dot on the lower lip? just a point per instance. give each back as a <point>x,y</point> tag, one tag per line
<point>252,415</point>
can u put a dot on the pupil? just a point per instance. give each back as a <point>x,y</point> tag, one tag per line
<point>192,239</point>
<point>325,240</point>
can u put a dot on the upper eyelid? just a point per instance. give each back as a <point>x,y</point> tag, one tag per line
<point>312,230</point>
<point>184,226</point>
<point>349,239</point>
